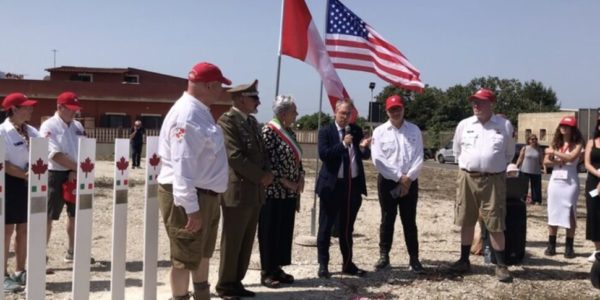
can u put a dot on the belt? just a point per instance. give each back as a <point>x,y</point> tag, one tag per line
<point>208,192</point>
<point>480,174</point>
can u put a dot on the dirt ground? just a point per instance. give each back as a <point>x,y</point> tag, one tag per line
<point>539,277</point>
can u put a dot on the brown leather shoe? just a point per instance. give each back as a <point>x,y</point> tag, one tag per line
<point>503,274</point>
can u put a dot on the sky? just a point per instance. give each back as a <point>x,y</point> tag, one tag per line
<point>555,42</point>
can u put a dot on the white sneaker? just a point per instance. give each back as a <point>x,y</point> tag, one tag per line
<point>592,258</point>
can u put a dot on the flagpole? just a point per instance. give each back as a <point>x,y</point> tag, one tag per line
<point>279,50</point>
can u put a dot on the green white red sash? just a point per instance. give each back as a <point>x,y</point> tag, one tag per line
<point>289,139</point>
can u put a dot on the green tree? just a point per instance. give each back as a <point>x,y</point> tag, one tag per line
<point>440,110</point>
<point>309,122</point>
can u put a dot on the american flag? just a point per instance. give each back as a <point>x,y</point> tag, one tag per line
<point>354,45</point>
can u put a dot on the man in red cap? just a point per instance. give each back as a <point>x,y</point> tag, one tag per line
<point>484,145</point>
<point>193,174</point>
<point>62,132</point>
<point>397,153</point>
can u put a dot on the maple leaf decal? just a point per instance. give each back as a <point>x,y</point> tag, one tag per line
<point>39,168</point>
<point>87,166</point>
<point>154,160</point>
<point>122,165</point>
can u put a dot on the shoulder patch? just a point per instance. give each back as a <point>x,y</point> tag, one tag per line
<point>178,133</point>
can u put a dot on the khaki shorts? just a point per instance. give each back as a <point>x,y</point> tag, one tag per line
<point>481,193</point>
<point>188,249</point>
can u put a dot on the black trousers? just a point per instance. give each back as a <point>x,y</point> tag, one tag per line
<point>390,206</point>
<point>136,154</point>
<point>536,186</point>
<point>344,201</point>
<point>275,233</point>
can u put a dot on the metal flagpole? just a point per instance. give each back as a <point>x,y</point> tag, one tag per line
<point>279,51</point>
<point>312,239</point>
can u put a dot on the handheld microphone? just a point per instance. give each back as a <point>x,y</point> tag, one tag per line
<point>347,129</point>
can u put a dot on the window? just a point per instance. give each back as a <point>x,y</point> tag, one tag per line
<point>115,120</point>
<point>131,79</point>
<point>85,77</point>
<point>527,134</point>
<point>542,134</point>
<point>151,121</point>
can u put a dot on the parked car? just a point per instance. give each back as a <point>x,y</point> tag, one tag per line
<point>445,154</point>
<point>429,153</point>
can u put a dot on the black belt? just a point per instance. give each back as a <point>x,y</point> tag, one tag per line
<point>208,192</point>
<point>480,174</point>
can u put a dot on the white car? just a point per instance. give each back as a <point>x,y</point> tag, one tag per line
<point>445,154</point>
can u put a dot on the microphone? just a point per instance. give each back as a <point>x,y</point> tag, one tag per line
<point>347,129</point>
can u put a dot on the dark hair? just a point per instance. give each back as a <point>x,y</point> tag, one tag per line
<point>558,140</point>
<point>597,131</point>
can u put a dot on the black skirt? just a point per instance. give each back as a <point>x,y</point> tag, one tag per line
<point>16,200</point>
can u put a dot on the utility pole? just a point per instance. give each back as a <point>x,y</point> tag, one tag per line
<point>54,51</point>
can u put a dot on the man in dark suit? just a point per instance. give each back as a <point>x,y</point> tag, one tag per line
<point>249,174</point>
<point>340,184</point>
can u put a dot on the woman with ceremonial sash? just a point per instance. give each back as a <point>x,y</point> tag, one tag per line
<point>276,223</point>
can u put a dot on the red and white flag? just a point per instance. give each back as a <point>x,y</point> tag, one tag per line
<point>354,45</point>
<point>301,39</point>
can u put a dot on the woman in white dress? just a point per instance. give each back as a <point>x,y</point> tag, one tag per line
<point>563,188</point>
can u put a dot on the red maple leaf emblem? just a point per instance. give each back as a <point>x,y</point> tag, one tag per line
<point>39,168</point>
<point>179,132</point>
<point>87,166</point>
<point>154,161</point>
<point>122,165</point>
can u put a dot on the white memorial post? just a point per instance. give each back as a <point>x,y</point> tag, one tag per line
<point>86,163</point>
<point>2,206</point>
<point>37,218</point>
<point>119,230</point>
<point>151,219</point>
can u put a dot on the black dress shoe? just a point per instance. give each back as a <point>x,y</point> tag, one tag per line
<point>383,262</point>
<point>242,292</point>
<point>354,271</point>
<point>284,277</point>
<point>324,272</point>
<point>416,267</point>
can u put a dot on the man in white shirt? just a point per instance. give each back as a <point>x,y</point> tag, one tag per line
<point>484,146</point>
<point>397,153</point>
<point>63,133</point>
<point>193,173</point>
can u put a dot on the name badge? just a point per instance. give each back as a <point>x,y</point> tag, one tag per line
<point>560,174</point>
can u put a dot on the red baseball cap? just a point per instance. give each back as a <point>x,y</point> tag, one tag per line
<point>17,99</point>
<point>207,72</point>
<point>69,100</point>
<point>483,94</point>
<point>568,121</point>
<point>393,101</point>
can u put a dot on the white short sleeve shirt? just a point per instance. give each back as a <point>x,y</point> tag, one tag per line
<point>192,151</point>
<point>397,152</point>
<point>17,149</point>
<point>63,138</point>
<point>486,148</point>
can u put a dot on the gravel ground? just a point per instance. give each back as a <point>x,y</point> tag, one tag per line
<point>539,277</point>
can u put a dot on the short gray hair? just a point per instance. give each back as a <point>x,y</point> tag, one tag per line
<point>339,103</point>
<point>282,104</point>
